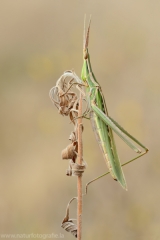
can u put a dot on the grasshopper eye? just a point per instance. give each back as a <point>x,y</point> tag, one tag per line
<point>85,55</point>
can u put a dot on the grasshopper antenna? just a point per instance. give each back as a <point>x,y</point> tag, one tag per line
<point>86,37</point>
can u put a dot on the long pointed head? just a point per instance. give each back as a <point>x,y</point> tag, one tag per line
<point>86,38</point>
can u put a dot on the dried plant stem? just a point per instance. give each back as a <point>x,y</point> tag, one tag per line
<point>79,180</point>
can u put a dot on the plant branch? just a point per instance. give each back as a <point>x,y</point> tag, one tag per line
<point>79,178</point>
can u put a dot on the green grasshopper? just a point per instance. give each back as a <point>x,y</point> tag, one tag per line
<point>103,124</point>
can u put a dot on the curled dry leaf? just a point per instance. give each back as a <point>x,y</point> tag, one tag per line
<point>72,136</point>
<point>71,227</point>
<point>68,224</point>
<point>75,169</point>
<point>69,152</point>
<point>62,96</point>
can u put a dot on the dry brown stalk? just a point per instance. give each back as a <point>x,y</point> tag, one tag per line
<point>79,178</point>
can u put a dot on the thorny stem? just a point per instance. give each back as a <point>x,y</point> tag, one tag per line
<point>79,180</point>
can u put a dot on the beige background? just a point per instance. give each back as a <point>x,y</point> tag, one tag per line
<point>39,40</point>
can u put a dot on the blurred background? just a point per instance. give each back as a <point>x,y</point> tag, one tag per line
<point>39,40</point>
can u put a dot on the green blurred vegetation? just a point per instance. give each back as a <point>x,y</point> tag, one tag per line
<point>39,41</point>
